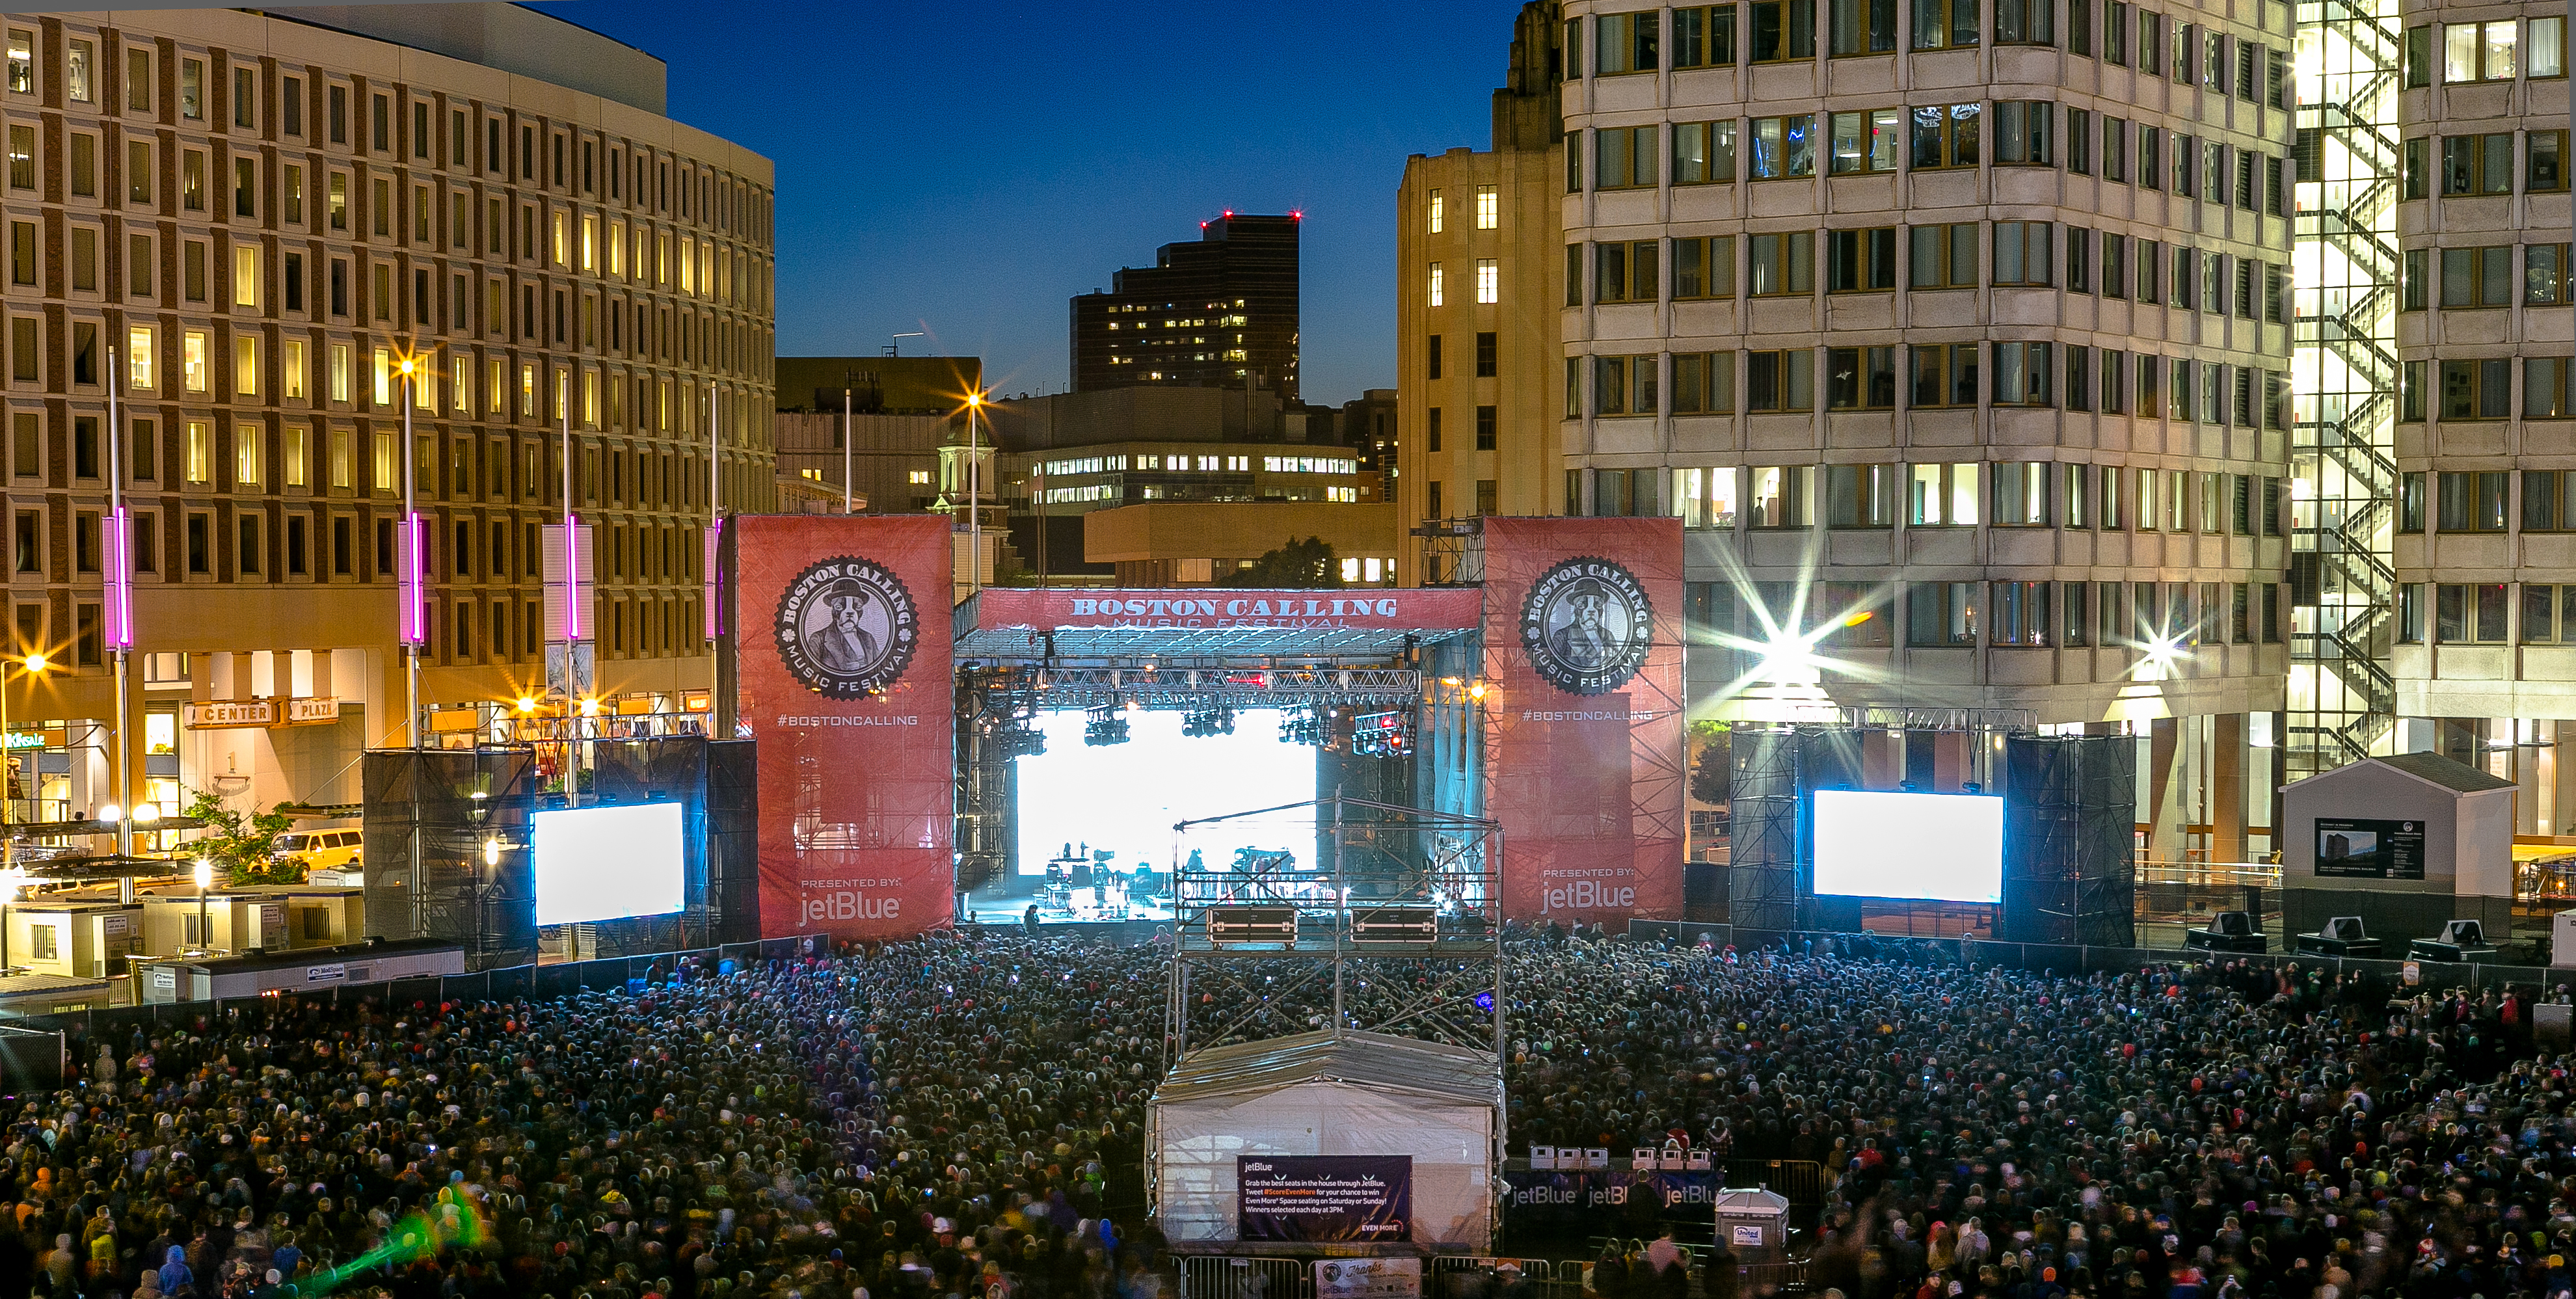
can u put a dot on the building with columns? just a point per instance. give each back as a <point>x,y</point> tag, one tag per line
<point>236,227</point>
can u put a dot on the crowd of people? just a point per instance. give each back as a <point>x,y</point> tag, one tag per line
<point>963,1114</point>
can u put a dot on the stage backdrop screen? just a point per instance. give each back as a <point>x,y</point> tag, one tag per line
<point>1124,798</point>
<point>608,863</point>
<point>1936,847</point>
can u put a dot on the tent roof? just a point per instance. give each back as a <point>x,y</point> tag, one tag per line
<point>2431,768</point>
<point>1367,1059</point>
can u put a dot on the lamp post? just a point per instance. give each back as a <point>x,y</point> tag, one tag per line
<point>205,881</point>
<point>415,596</point>
<point>974,496</point>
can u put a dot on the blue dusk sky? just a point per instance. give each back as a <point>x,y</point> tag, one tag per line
<point>964,169</point>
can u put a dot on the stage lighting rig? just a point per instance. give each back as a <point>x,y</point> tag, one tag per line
<point>1104,725</point>
<point>1016,738</point>
<point>1207,722</point>
<point>1303,727</point>
<point>1382,735</point>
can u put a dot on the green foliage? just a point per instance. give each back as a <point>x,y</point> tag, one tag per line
<point>1298,566</point>
<point>243,846</point>
<point>1712,777</point>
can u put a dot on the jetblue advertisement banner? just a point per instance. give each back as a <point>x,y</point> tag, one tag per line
<point>1324,1197</point>
<point>1541,1199</point>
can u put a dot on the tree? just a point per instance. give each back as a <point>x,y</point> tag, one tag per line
<point>243,846</point>
<point>1713,774</point>
<point>1297,566</point>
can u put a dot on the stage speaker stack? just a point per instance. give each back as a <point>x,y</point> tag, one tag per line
<point>1703,891</point>
<point>1762,872</point>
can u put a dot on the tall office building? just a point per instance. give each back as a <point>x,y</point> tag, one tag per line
<point>1958,336</point>
<point>1477,389</point>
<point>240,225</point>
<point>2464,166</point>
<point>1218,313</point>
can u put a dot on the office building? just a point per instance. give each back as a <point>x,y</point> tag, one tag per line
<point>1218,313</point>
<point>883,418</point>
<point>1252,468</point>
<point>1958,337</point>
<point>2451,259</point>
<point>1478,389</point>
<point>239,225</point>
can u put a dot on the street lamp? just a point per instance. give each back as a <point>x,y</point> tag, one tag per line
<point>205,881</point>
<point>32,664</point>
<point>414,577</point>
<point>974,495</point>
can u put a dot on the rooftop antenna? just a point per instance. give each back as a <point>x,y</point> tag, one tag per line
<point>895,348</point>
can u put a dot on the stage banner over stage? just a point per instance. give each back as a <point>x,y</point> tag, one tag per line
<point>1583,635</point>
<point>1368,609</point>
<point>842,635</point>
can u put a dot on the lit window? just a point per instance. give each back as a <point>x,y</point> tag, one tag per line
<point>1435,283</point>
<point>384,377</point>
<point>245,366</point>
<point>1436,205</point>
<point>192,360</point>
<point>1489,208</point>
<point>138,358</point>
<point>246,454</point>
<point>1489,280</point>
<point>291,376</point>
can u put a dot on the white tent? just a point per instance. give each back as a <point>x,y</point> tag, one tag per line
<point>1326,1094</point>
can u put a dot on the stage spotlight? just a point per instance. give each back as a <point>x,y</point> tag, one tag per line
<point>1382,735</point>
<point>1207,722</point>
<point>1103,726</point>
<point>1305,727</point>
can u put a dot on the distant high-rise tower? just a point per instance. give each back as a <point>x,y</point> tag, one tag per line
<point>1210,314</point>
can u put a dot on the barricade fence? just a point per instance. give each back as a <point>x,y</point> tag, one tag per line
<point>533,982</point>
<point>2432,976</point>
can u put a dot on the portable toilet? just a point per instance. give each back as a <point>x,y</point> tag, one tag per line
<point>1754,1224</point>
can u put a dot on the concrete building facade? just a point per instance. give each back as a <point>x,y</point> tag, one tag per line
<point>2482,647</point>
<point>1478,374</point>
<point>239,227</point>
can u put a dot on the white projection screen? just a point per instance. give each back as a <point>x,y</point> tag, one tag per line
<point>608,863</point>
<point>1931,847</point>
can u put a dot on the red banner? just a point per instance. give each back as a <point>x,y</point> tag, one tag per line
<point>843,630</point>
<point>1369,610</point>
<point>1583,636</point>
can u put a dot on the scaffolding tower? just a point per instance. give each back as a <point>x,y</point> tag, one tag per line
<point>1398,930</point>
<point>2342,699</point>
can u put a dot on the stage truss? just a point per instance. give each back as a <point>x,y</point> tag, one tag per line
<point>1378,867</point>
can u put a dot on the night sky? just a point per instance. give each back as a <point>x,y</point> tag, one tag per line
<point>966,170</point>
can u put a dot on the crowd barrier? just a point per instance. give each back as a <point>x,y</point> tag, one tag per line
<point>1451,1276</point>
<point>2431,976</point>
<point>82,1028</point>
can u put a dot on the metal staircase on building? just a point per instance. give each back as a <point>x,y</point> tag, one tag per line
<point>2344,697</point>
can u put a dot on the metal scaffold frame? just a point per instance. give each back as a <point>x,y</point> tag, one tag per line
<point>1382,860</point>
<point>2346,379</point>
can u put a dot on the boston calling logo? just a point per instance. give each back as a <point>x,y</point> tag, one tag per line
<point>847,627</point>
<point>1587,626</point>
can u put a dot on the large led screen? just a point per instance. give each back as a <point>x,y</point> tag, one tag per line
<point>1125,798</point>
<point>608,863</point>
<point>1929,847</point>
